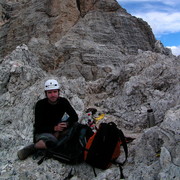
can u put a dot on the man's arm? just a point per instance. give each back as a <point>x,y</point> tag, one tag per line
<point>73,117</point>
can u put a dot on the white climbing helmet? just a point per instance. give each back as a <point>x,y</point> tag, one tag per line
<point>51,84</point>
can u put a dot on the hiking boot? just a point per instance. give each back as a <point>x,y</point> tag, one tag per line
<point>26,151</point>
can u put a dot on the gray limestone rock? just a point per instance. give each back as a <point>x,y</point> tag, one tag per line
<point>103,58</point>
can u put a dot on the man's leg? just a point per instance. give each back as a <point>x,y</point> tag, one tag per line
<point>43,141</point>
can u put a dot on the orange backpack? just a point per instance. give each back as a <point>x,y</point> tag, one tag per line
<point>103,148</point>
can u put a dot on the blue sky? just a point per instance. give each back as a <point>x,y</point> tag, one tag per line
<point>162,15</point>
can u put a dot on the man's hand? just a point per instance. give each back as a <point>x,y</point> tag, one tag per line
<point>61,126</point>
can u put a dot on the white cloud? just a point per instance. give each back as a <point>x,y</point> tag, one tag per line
<point>175,50</point>
<point>162,22</point>
<point>163,16</point>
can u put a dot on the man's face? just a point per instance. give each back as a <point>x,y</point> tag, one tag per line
<point>52,95</point>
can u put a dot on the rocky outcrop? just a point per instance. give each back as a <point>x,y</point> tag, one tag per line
<point>103,58</point>
<point>122,95</point>
<point>53,28</point>
<point>155,154</point>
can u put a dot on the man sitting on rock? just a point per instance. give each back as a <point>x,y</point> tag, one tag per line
<point>48,125</point>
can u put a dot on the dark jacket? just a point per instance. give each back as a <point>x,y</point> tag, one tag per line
<point>47,115</point>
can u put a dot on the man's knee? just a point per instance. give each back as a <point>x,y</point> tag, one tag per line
<point>45,140</point>
<point>40,145</point>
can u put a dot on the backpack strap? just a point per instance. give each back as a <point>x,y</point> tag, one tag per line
<point>122,138</point>
<point>42,159</point>
<point>124,144</point>
<point>121,172</point>
<point>120,169</point>
<point>69,176</point>
<point>94,171</point>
